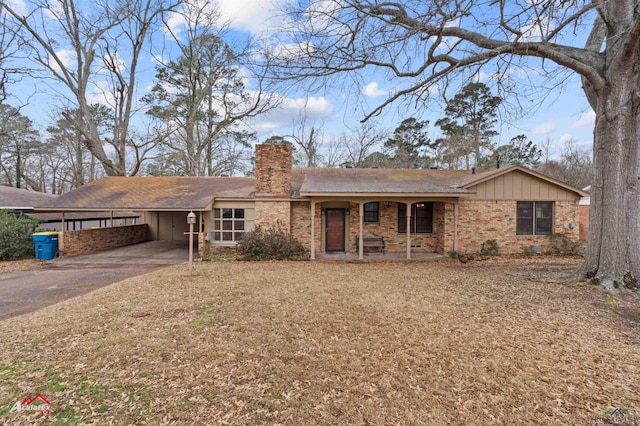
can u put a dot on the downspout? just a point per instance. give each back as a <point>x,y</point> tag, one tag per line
<point>360,236</point>
<point>455,226</point>
<point>313,227</point>
<point>408,204</point>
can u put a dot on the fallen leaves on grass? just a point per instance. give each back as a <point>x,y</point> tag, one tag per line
<point>7,266</point>
<point>325,343</point>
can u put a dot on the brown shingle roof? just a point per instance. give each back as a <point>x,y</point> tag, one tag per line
<point>21,199</point>
<point>368,181</point>
<point>152,193</point>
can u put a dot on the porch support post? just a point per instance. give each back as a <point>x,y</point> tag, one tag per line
<point>360,236</point>
<point>408,203</point>
<point>111,214</point>
<point>313,230</point>
<point>62,229</point>
<point>455,226</point>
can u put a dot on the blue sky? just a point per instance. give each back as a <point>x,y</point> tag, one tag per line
<point>561,116</point>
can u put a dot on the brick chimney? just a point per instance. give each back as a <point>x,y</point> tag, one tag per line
<point>273,170</point>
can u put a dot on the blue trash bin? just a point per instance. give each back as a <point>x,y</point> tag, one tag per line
<point>46,245</point>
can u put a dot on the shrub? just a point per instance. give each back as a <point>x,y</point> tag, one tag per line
<point>270,244</point>
<point>15,236</point>
<point>563,245</point>
<point>490,248</point>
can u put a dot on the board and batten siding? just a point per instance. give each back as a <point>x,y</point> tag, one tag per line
<point>521,187</point>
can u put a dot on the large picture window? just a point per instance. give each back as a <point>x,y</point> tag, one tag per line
<point>230,224</point>
<point>534,218</point>
<point>372,212</point>
<point>421,218</point>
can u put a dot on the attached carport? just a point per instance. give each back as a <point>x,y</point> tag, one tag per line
<point>164,202</point>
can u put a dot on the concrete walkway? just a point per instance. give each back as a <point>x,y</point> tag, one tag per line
<point>64,278</point>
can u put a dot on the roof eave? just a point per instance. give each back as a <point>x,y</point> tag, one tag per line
<point>388,194</point>
<point>526,171</point>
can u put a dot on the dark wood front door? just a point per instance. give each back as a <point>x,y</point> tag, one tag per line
<point>335,230</point>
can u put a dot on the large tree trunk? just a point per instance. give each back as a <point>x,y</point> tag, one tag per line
<point>613,251</point>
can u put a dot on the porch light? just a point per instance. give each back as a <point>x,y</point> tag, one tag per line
<point>191,218</point>
<point>420,205</point>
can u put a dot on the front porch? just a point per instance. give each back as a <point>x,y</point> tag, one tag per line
<point>420,228</point>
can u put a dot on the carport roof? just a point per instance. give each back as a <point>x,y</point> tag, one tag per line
<point>22,199</point>
<point>152,193</point>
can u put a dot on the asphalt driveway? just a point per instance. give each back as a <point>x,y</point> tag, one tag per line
<point>64,278</point>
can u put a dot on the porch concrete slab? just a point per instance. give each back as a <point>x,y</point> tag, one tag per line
<point>63,278</point>
<point>379,257</point>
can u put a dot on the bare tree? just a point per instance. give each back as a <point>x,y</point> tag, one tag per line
<point>436,42</point>
<point>574,167</point>
<point>85,47</point>
<point>359,144</point>
<point>201,100</point>
<point>10,46</point>
<point>307,137</point>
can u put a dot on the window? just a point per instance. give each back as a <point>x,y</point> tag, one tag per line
<point>372,212</point>
<point>230,224</point>
<point>421,218</point>
<point>534,218</point>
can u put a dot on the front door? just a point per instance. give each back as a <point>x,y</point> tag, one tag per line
<point>335,230</point>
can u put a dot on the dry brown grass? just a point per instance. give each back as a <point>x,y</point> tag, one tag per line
<point>19,265</point>
<point>325,344</point>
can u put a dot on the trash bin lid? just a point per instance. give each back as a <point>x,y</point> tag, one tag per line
<point>46,233</point>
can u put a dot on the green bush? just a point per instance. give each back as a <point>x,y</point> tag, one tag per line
<point>15,236</point>
<point>270,244</point>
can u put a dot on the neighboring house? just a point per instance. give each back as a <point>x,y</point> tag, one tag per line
<point>334,210</point>
<point>22,201</point>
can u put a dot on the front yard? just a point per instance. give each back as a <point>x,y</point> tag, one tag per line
<point>328,343</point>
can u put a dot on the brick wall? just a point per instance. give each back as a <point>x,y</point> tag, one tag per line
<point>479,221</point>
<point>301,224</point>
<point>273,214</point>
<point>273,170</point>
<point>84,241</point>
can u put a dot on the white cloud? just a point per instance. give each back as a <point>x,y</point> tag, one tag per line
<point>319,106</point>
<point>373,91</point>
<point>315,108</point>
<point>101,94</point>
<point>66,56</point>
<point>18,6</point>
<point>292,50</point>
<point>588,118</point>
<point>544,128</point>
<point>535,30</point>
<point>255,16</point>
<point>567,137</point>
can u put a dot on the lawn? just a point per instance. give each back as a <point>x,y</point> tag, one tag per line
<point>329,343</point>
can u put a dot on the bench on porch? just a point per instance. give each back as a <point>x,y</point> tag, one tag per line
<point>371,242</point>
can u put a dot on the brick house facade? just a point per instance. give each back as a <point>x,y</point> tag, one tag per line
<point>466,209</point>
<point>342,210</point>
